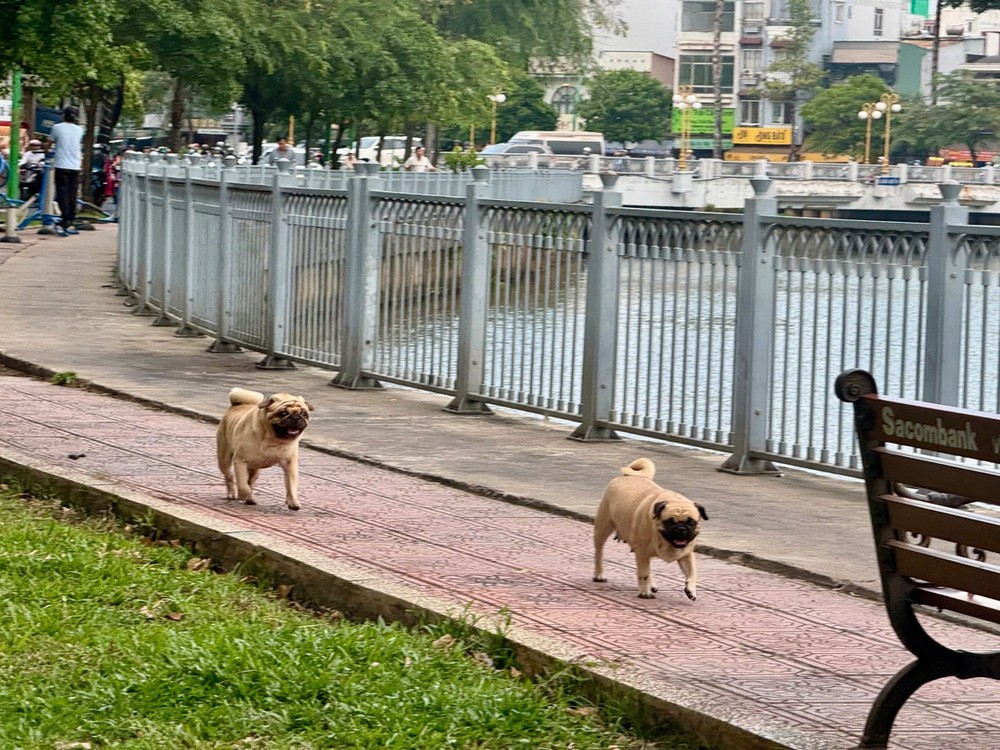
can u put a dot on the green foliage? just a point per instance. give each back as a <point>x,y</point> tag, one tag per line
<point>627,105</point>
<point>67,377</point>
<point>459,159</point>
<point>967,114</point>
<point>832,116</point>
<point>524,29</point>
<point>525,108</point>
<point>109,641</point>
<point>794,76</point>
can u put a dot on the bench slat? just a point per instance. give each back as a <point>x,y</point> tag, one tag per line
<point>958,432</point>
<point>929,473</point>
<point>946,570</point>
<point>981,607</point>
<point>958,526</point>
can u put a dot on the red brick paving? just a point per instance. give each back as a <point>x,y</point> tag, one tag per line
<point>785,653</point>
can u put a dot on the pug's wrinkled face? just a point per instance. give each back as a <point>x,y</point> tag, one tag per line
<point>678,523</point>
<point>287,415</point>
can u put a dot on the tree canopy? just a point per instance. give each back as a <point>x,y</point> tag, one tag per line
<point>832,116</point>
<point>381,65</point>
<point>627,105</point>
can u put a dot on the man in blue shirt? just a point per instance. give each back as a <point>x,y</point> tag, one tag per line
<point>67,136</point>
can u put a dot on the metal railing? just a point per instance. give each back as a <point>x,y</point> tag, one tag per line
<point>717,330</point>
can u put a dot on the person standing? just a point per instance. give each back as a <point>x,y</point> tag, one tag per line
<point>67,137</point>
<point>418,162</point>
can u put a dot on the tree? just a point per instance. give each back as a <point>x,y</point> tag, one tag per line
<point>525,108</point>
<point>524,29</point>
<point>832,115</point>
<point>969,115</point>
<point>627,105</point>
<point>198,43</point>
<point>793,76</point>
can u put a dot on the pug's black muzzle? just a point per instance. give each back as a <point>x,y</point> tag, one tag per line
<point>680,534</point>
<point>291,426</point>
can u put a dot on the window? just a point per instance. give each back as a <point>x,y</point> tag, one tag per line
<point>564,100</point>
<point>879,20</point>
<point>753,60</point>
<point>753,10</point>
<point>699,15</point>
<point>782,113</point>
<point>838,12</point>
<point>749,112</point>
<point>780,9</point>
<point>696,71</point>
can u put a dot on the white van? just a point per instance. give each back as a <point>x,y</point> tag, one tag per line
<point>564,142</point>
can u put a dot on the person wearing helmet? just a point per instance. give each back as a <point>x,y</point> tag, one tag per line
<point>31,166</point>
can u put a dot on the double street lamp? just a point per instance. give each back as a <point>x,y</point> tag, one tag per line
<point>497,98</point>
<point>686,102</point>
<point>888,104</point>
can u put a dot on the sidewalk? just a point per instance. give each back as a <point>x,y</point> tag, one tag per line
<point>760,658</point>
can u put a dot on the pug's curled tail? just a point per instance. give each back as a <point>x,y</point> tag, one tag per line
<point>641,466</point>
<point>243,396</point>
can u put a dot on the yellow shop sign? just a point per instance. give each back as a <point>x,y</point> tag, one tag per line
<point>760,136</point>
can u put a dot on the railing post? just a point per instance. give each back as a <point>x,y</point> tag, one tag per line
<point>946,264</point>
<point>166,288</point>
<point>278,264</point>
<point>361,283</point>
<point>754,336</point>
<point>224,314</point>
<point>474,300</point>
<point>142,305</point>
<point>184,329</point>
<point>600,337</point>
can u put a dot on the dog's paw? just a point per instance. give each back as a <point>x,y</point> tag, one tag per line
<point>654,589</point>
<point>293,507</point>
<point>647,596</point>
<point>690,594</point>
<point>249,501</point>
<point>600,579</point>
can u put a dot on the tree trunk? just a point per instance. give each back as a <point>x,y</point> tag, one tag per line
<point>176,117</point>
<point>90,106</point>
<point>112,114</point>
<point>259,118</point>
<point>720,6</point>
<point>936,50</point>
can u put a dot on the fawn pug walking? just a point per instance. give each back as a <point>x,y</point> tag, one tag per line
<point>653,521</point>
<point>258,432</point>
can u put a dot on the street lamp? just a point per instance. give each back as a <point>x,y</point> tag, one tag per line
<point>869,111</point>
<point>496,99</point>
<point>685,101</point>
<point>889,104</point>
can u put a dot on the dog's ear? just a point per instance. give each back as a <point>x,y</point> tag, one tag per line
<point>701,511</point>
<point>310,407</point>
<point>265,403</point>
<point>658,508</point>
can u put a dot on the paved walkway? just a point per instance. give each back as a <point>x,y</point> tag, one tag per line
<point>781,658</point>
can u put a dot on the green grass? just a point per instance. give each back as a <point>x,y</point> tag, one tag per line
<point>108,639</point>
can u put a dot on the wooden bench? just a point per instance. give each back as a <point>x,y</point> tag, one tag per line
<point>931,548</point>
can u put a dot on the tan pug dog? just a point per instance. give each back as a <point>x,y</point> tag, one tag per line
<point>256,433</point>
<point>654,522</point>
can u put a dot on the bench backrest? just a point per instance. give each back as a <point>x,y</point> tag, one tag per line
<point>919,459</point>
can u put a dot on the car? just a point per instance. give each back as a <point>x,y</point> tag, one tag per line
<point>393,149</point>
<point>504,149</point>
<point>657,149</point>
